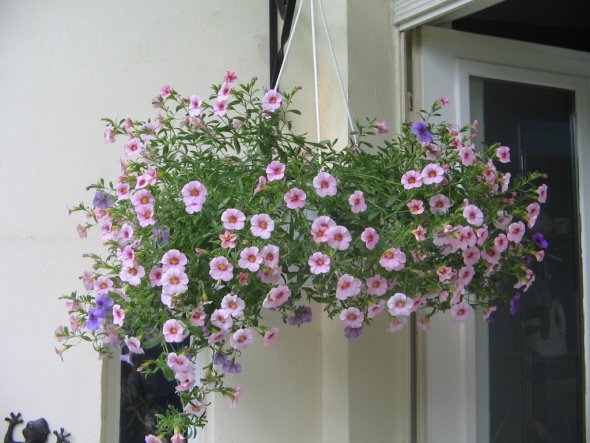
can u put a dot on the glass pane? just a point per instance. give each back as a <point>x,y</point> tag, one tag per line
<point>535,359</point>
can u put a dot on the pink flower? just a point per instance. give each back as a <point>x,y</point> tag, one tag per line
<point>275,171</point>
<point>262,226</point>
<point>177,437</point>
<point>220,318</point>
<point>155,276</point>
<point>174,281</point>
<point>375,308</point>
<point>503,154</point>
<point>230,76</point>
<point>357,202</point>
<point>174,259</point>
<point>487,312</point>
<point>217,337</point>
<point>465,275</point>
<point>276,297</point>
<point>261,185</point>
<point>109,135</point>
<point>228,240</point>
<point>197,317</point>
<point>178,363</point>
<point>397,324</point>
<point>351,317</point>
<point>348,286</point>
<point>400,305</point>
<point>195,408</point>
<point>82,232</point>
<point>145,215</point>
<point>467,155</point>
<point>482,235</point>
<point>125,234</point>
<point>432,174</point>
<point>133,147</point>
<point>234,305</point>
<point>134,345</point>
<point>269,276</point>
<point>319,263</point>
<point>270,256</point>
<point>123,191</point>
<point>132,273</point>
<point>250,259</point>
<point>542,192</point>
<point>233,219</point>
<point>533,211</point>
<point>320,227</point>
<point>324,184</point>
<point>338,238</point>
<point>221,269</point>
<point>505,181</point>
<point>515,232</point>
<point>224,90</point>
<point>416,207</point>
<point>439,204</point>
<point>419,233</point>
<point>501,242</point>
<point>102,285</point>
<point>445,273</point>
<point>142,197</point>
<point>461,312</point>
<point>370,237</point>
<point>295,198</point>
<point>411,179</point>
<point>174,331</point>
<point>235,397</point>
<point>376,285</point>
<point>194,192</point>
<point>473,215</point>
<point>165,91</point>
<point>241,338</point>
<point>393,260</point>
<point>443,100</point>
<point>152,439</point>
<point>272,100</point>
<point>471,256</point>
<point>118,315</point>
<point>270,336</point>
<point>492,255</point>
<point>382,127</point>
<point>220,107</point>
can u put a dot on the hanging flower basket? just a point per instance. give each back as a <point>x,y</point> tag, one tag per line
<point>222,213</point>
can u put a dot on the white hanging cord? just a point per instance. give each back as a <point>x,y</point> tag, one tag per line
<point>288,47</point>
<point>315,72</point>
<point>342,91</point>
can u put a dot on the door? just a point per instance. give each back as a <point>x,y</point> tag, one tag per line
<point>522,377</point>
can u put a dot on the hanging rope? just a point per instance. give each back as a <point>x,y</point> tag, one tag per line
<point>316,88</point>
<point>340,84</point>
<point>315,64</point>
<point>289,44</point>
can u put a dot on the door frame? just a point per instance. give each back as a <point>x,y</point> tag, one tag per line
<point>447,358</point>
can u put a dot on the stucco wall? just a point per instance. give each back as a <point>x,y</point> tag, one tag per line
<point>64,64</point>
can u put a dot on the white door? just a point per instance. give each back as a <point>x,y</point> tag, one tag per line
<point>523,378</point>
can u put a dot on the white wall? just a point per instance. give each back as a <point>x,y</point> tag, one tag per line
<point>64,64</point>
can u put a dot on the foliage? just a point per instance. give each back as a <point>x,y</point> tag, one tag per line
<point>222,211</point>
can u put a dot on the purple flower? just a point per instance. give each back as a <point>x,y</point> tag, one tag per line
<point>102,200</point>
<point>540,241</point>
<point>420,129</point>
<point>515,303</point>
<point>231,367</point>
<point>103,304</point>
<point>219,359</point>
<point>302,315</point>
<point>94,319</point>
<point>127,358</point>
<point>528,261</point>
<point>352,332</point>
<point>160,237</point>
